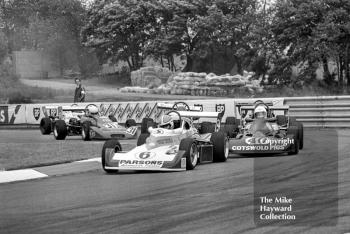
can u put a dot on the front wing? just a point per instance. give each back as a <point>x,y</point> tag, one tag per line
<point>117,133</point>
<point>145,160</point>
<point>252,145</point>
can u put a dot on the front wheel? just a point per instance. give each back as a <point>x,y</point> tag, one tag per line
<point>146,123</point>
<point>113,145</point>
<point>142,139</point>
<point>191,152</point>
<point>220,146</point>
<point>60,130</point>
<point>85,131</point>
<point>45,126</point>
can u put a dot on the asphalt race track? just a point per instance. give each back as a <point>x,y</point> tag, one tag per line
<point>213,198</point>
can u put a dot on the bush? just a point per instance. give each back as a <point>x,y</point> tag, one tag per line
<point>122,78</point>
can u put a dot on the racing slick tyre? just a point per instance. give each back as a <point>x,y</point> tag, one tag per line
<point>301,135</point>
<point>230,130</point>
<point>293,130</point>
<point>281,120</point>
<point>207,127</point>
<point>45,126</point>
<point>220,146</point>
<point>230,120</point>
<point>292,121</point>
<point>191,152</point>
<point>110,144</point>
<point>60,130</point>
<point>231,126</point>
<point>145,124</point>
<point>142,139</point>
<point>85,131</point>
<point>130,122</point>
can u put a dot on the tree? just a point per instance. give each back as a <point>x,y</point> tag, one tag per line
<point>309,33</point>
<point>119,30</point>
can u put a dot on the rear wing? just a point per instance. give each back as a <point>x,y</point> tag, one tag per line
<point>72,108</point>
<point>243,110</point>
<point>178,105</point>
<point>201,114</point>
<point>244,107</point>
<point>284,108</point>
<point>240,104</point>
<point>55,111</point>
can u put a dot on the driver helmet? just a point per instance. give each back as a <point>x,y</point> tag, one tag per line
<point>92,110</point>
<point>167,121</point>
<point>260,112</point>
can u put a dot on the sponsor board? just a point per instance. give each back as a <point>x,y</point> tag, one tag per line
<point>12,114</point>
<point>33,113</point>
<point>4,114</point>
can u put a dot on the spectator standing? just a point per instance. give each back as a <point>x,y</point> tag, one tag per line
<point>79,95</point>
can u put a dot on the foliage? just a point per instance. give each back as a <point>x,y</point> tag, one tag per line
<point>312,33</point>
<point>50,25</point>
<point>272,38</point>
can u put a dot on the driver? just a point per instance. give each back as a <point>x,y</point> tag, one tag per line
<point>260,112</point>
<point>167,122</point>
<point>92,111</point>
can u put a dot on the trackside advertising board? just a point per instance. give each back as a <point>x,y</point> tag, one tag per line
<point>33,113</point>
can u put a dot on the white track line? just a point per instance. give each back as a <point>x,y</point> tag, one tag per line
<point>18,175</point>
<point>89,160</point>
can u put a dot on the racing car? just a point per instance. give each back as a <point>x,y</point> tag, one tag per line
<point>56,116</point>
<point>260,130</point>
<point>87,122</point>
<point>174,145</point>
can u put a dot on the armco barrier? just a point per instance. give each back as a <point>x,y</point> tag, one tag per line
<point>321,111</point>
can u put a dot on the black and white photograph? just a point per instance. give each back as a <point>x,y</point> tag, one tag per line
<point>174,116</point>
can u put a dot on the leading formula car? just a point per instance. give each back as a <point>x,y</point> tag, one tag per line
<point>87,122</point>
<point>261,131</point>
<point>174,145</point>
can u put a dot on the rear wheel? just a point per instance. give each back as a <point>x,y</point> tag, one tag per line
<point>130,122</point>
<point>230,120</point>
<point>231,127</point>
<point>292,121</point>
<point>207,127</point>
<point>85,131</point>
<point>145,124</point>
<point>301,135</point>
<point>294,131</point>
<point>220,146</point>
<point>113,145</point>
<point>142,139</point>
<point>191,152</point>
<point>45,126</point>
<point>60,130</point>
<point>281,120</point>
